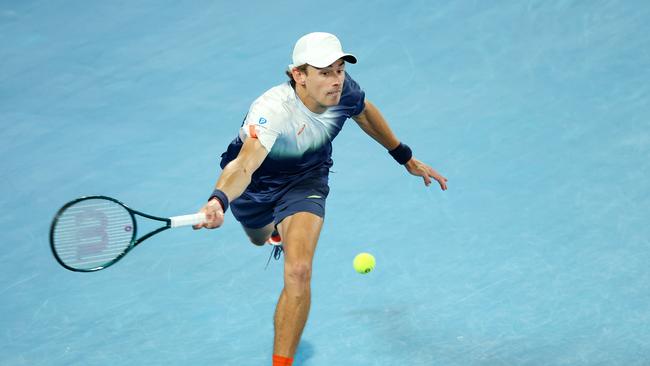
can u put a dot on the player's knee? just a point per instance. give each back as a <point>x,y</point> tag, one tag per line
<point>298,273</point>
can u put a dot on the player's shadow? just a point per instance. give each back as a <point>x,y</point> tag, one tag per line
<point>304,352</point>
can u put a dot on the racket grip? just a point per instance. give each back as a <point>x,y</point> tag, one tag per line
<point>187,220</point>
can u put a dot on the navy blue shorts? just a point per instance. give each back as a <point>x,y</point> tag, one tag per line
<point>306,195</point>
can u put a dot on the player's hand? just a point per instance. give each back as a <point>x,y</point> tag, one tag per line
<point>213,215</point>
<point>420,169</point>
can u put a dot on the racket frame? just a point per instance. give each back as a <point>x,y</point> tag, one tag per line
<point>134,241</point>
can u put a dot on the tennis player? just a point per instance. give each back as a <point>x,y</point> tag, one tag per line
<point>275,173</point>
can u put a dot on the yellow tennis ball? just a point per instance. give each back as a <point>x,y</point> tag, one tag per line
<point>363,263</point>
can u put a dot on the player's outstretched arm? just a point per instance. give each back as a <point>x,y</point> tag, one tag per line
<point>232,182</point>
<point>375,125</point>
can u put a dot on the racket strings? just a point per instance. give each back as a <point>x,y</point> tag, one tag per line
<point>92,233</point>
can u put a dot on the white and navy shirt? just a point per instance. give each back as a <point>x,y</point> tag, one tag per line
<point>298,140</point>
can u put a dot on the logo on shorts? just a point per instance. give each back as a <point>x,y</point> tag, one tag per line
<point>262,121</point>
<point>314,196</point>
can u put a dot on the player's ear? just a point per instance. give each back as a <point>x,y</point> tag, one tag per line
<point>299,75</point>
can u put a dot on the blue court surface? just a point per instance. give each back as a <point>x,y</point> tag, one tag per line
<point>538,112</point>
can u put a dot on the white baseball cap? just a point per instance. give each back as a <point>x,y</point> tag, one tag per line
<point>319,49</point>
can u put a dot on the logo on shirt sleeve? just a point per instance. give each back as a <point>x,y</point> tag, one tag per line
<point>262,121</point>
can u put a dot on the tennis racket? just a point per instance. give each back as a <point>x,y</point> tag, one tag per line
<point>92,233</point>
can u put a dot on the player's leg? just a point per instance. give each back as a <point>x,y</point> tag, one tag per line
<point>300,234</point>
<point>257,219</point>
<point>261,235</point>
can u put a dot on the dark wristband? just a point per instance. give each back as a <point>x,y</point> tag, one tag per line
<point>223,199</point>
<point>401,153</point>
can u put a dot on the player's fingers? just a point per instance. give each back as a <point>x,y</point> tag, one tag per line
<point>202,224</point>
<point>427,180</point>
<point>208,217</point>
<point>439,178</point>
<point>214,219</point>
<point>217,221</point>
<point>430,173</point>
<point>443,183</point>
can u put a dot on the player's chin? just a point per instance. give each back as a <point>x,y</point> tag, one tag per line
<point>331,100</point>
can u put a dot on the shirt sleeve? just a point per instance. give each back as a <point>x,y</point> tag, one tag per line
<point>261,123</point>
<point>352,97</point>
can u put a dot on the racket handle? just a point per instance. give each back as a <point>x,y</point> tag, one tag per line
<point>187,220</point>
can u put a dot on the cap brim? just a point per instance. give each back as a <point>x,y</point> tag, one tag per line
<point>325,63</point>
<point>349,58</point>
